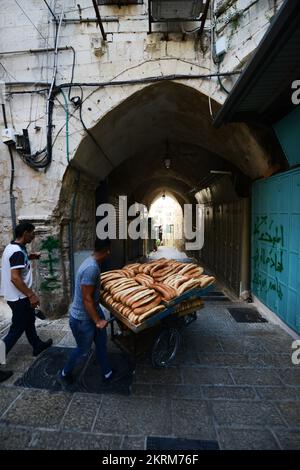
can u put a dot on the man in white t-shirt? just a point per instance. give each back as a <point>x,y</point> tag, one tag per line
<point>16,282</point>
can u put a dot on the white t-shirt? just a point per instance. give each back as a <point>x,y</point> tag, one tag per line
<point>14,257</point>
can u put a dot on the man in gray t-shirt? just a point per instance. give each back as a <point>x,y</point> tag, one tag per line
<point>87,320</point>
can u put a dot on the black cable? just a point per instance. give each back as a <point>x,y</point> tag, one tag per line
<point>12,177</point>
<point>89,133</point>
<point>51,11</point>
<point>220,81</point>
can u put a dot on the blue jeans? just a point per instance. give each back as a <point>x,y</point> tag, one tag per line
<point>85,333</point>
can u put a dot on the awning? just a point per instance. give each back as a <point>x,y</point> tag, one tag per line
<point>263,93</point>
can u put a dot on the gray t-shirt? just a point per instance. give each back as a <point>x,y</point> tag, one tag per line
<point>88,274</point>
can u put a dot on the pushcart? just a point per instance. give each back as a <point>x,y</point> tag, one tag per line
<point>160,333</point>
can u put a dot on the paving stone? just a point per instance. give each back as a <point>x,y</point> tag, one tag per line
<point>7,396</point>
<point>142,416</point>
<point>291,412</point>
<point>19,363</point>
<point>278,344</point>
<point>242,345</point>
<point>67,341</point>
<point>14,439</point>
<point>290,376</point>
<point>81,412</point>
<point>245,413</point>
<point>160,376</point>
<point>45,440</point>
<point>289,440</point>
<point>228,392</point>
<point>176,391</point>
<point>255,377</point>
<point>62,440</point>
<point>186,357</point>
<point>270,360</point>
<point>222,359</point>
<point>141,390</point>
<point>37,408</point>
<point>16,375</point>
<point>133,443</point>
<point>279,393</point>
<point>56,335</point>
<point>192,418</point>
<point>204,376</point>
<point>202,344</point>
<point>76,441</point>
<point>246,439</point>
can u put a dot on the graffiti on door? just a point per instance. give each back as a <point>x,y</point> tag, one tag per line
<point>51,281</point>
<point>268,254</point>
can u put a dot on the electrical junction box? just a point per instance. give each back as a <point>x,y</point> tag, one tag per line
<point>8,136</point>
<point>221,46</point>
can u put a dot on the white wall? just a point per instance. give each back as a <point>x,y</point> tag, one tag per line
<point>129,53</point>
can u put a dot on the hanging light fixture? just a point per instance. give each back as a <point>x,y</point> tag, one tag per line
<point>167,159</point>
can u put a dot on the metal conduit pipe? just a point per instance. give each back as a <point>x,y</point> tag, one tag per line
<point>36,51</point>
<point>12,176</point>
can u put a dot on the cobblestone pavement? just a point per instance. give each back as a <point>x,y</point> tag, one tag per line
<point>231,382</point>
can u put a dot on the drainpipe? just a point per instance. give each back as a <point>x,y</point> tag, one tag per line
<point>70,235</point>
<point>12,176</point>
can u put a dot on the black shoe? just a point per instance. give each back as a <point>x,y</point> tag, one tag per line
<point>39,314</point>
<point>42,346</point>
<point>5,374</point>
<point>67,382</point>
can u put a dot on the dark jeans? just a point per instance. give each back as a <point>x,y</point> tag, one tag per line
<point>85,333</point>
<point>23,319</point>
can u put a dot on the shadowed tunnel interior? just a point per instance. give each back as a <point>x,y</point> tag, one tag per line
<point>210,166</point>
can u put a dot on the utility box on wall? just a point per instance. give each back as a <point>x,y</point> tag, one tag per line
<point>275,275</point>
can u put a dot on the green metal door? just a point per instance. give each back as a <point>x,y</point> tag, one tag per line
<point>276,245</point>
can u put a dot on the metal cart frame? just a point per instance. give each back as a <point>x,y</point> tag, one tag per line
<point>168,323</point>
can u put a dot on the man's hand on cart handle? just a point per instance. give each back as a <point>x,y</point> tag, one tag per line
<point>101,324</point>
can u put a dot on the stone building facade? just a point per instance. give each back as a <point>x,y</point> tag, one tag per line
<point>134,89</point>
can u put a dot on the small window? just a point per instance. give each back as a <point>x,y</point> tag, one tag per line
<point>120,2</point>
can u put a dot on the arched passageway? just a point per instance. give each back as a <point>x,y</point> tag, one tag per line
<point>161,139</point>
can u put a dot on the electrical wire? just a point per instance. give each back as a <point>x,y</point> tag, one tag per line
<point>31,21</point>
<point>90,134</point>
<point>7,72</point>
<point>211,60</point>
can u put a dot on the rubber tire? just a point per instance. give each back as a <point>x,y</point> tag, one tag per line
<point>165,347</point>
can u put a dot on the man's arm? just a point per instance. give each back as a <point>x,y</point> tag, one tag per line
<point>17,280</point>
<point>90,307</point>
<point>34,256</point>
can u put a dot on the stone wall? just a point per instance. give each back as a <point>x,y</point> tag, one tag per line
<point>128,54</point>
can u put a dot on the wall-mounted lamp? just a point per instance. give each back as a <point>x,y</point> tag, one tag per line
<point>164,195</point>
<point>167,162</point>
<point>220,172</point>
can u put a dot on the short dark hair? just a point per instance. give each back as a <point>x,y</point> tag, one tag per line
<point>23,227</point>
<point>101,245</point>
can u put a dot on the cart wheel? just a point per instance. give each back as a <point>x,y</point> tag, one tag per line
<point>165,347</point>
